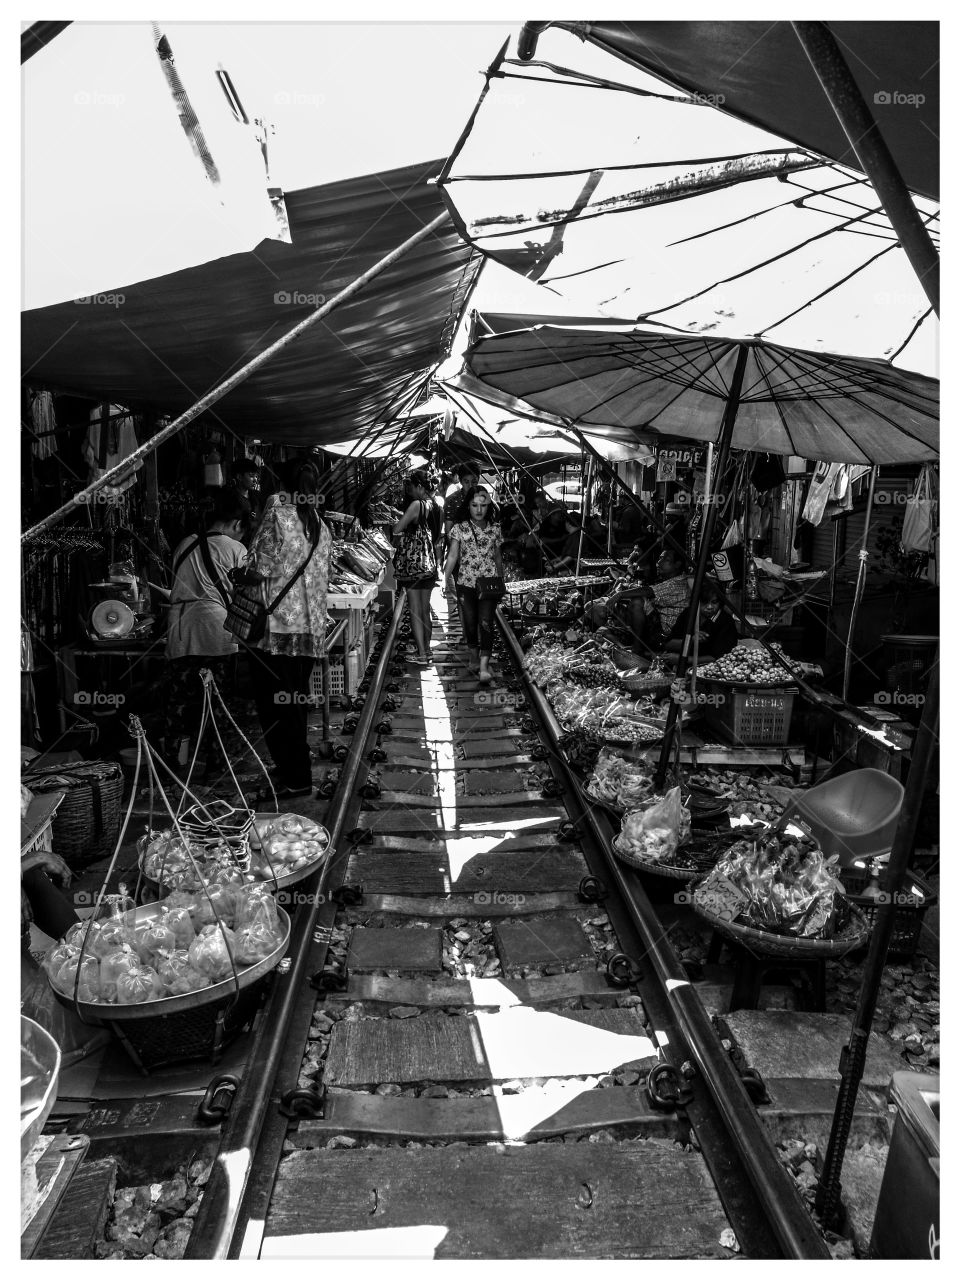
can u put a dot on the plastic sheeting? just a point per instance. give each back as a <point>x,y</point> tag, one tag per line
<point>174,338</point>
<point>633,199</point>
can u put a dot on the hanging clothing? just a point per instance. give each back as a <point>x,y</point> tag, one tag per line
<point>44,421</point>
<point>103,453</point>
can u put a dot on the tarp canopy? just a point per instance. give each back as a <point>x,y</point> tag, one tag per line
<point>166,342</point>
<point>759,72</point>
<point>630,197</point>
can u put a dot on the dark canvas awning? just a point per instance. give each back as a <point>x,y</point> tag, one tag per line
<point>172,339</point>
<point>759,72</point>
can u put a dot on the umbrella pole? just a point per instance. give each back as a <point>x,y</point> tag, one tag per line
<point>586,472</point>
<point>709,521</point>
<point>854,1053</point>
<point>858,590</point>
<point>843,94</point>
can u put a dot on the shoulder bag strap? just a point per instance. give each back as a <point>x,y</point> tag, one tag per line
<point>182,559</point>
<point>209,566</point>
<point>271,607</point>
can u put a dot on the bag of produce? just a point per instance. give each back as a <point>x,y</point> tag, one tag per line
<point>653,833</point>
<point>215,902</point>
<point>210,951</point>
<point>780,883</point>
<point>177,975</point>
<point>57,956</point>
<point>156,938</point>
<point>255,905</point>
<point>109,934</point>
<point>256,941</point>
<point>179,921</point>
<point>137,986</point>
<point>89,970</point>
<point>119,960</point>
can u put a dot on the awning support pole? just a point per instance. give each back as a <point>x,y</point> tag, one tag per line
<point>858,591</point>
<point>706,537</point>
<point>873,155</point>
<point>854,1053</point>
<point>205,402</point>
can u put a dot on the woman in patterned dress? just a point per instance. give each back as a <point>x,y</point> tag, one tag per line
<point>282,661</point>
<point>475,547</point>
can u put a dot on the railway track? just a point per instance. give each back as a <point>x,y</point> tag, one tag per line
<point>483,1043</point>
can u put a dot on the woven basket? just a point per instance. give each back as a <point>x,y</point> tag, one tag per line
<point>855,933</point>
<point>88,818</point>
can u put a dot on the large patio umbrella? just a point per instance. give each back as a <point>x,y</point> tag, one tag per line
<point>642,381</point>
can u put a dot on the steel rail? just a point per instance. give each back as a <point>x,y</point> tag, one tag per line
<point>221,1206</point>
<point>776,1194</point>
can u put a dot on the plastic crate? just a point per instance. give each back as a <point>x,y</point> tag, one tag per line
<point>908,917</point>
<point>337,681</point>
<point>908,661</point>
<point>748,715</point>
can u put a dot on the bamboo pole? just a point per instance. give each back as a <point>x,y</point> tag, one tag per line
<point>242,374</point>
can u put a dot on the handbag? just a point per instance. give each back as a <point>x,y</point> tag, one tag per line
<point>247,615</point>
<point>492,588</point>
<point>415,557</point>
<point>919,520</point>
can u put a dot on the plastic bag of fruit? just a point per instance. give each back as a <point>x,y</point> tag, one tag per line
<point>653,833</point>
<point>211,951</point>
<point>137,986</point>
<point>178,976</point>
<point>119,961</point>
<point>254,942</point>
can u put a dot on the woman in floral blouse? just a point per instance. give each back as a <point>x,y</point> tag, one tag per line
<point>475,547</point>
<point>282,661</point>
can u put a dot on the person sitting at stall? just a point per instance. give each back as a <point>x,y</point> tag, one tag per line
<point>196,638</point>
<point>643,616</point>
<point>546,541</point>
<point>574,548</point>
<point>717,635</point>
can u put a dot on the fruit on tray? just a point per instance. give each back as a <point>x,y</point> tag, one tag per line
<point>747,666</point>
<point>154,966</point>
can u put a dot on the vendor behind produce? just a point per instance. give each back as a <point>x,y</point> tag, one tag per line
<point>718,632</point>
<point>566,562</point>
<point>644,616</point>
